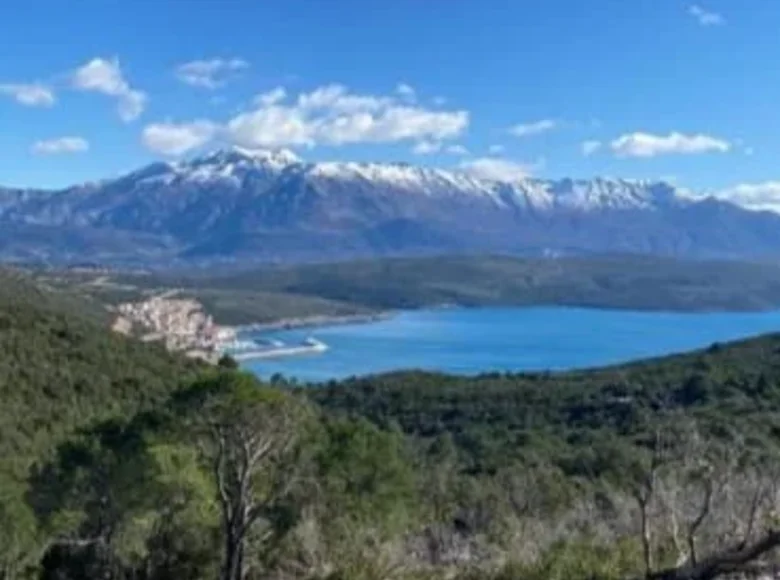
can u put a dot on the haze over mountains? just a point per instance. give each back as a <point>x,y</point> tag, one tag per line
<point>258,206</point>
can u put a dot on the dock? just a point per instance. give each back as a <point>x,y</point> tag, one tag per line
<point>308,347</point>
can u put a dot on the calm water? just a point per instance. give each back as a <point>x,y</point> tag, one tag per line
<point>473,341</point>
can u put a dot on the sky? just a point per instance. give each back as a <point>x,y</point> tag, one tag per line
<point>654,89</point>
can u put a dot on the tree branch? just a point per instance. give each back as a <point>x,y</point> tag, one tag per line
<point>735,559</point>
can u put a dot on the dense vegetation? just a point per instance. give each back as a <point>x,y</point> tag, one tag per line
<point>633,282</point>
<point>499,417</point>
<point>120,461</point>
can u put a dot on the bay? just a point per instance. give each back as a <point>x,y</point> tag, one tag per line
<point>473,341</point>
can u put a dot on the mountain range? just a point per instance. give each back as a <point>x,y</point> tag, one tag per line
<point>242,206</point>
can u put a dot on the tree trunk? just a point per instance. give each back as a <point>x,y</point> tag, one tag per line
<point>232,565</point>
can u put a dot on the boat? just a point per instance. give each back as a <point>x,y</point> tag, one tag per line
<point>315,344</point>
<point>251,350</point>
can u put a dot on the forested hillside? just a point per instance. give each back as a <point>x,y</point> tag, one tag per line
<point>498,417</point>
<point>360,287</point>
<point>120,461</point>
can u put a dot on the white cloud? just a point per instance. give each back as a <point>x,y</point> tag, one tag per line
<point>431,147</point>
<point>497,169</point>
<point>457,150</point>
<point>406,92</point>
<point>496,149</point>
<point>131,105</point>
<point>754,196</point>
<point>590,147</point>
<point>176,139</point>
<point>332,115</point>
<point>271,97</point>
<point>273,126</point>
<point>209,74</point>
<point>60,145</point>
<point>105,76</point>
<point>706,17</point>
<point>337,99</point>
<point>535,128</point>
<point>30,95</point>
<point>328,115</point>
<point>426,148</point>
<point>648,145</point>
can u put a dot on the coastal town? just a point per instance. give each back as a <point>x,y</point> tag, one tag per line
<point>180,323</point>
<point>183,325</point>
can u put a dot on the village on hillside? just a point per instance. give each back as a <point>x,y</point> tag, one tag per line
<point>181,324</point>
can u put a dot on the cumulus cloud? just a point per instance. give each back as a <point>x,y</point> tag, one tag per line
<point>431,147</point>
<point>706,17</point>
<point>60,145</point>
<point>337,98</point>
<point>105,76</point>
<point>457,150</point>
<point>426,148</point>
<point>209,74</point>
<point>496,169</point>
<point>590,147</point>
<point>649,145</point>
<point>271,97</point>
<point>763,196</point>
<point>30,95</point>
<point>332,115</point>
<point>406,92</point>
<point>177,139</point>
<point>328,115</point>
<point>535,128</point>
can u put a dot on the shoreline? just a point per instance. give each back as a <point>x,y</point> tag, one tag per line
<point>317,321</point>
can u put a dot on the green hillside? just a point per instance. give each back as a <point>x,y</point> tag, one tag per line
<point>635,282</point>
<point>61,368</point>
<point>121,461</point>
<point>273,293</point>
<point>495,417</point>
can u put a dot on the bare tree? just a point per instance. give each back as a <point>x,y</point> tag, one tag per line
<point>644,490</point>
<point>713,495</point>
<point>250,438</point>
<point>736,559</point>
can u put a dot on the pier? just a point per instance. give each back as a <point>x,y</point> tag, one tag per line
<point>255,351</point>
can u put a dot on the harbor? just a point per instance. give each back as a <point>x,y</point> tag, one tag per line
<point>248,350</point>
<point>182,325</point>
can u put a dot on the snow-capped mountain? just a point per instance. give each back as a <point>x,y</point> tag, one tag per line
<point>245,205</point>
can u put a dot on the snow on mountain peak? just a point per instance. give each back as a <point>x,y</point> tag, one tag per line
<point>241,157</point>
<point>278,156</point>
<point>231,168</point>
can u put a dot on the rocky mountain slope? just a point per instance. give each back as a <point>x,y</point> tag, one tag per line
<point>237,205</point>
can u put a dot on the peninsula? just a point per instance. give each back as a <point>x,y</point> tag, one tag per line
<point>183,325</point>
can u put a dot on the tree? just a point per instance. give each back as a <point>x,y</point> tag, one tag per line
<point>18,533</point>
<point>705,489</point>
<point>227,362</point>
<point>249,436</point>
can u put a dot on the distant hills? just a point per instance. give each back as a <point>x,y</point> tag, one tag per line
<point>238,206</point>
<point>367,287</point>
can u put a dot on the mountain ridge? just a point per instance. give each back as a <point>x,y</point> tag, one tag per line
<point>258,206</point>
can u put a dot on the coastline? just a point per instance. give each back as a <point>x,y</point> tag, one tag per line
<point>318,321</point>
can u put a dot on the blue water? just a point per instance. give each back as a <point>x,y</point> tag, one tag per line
<point>516,339</point>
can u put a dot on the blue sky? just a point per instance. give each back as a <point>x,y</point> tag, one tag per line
<point>668,89</point>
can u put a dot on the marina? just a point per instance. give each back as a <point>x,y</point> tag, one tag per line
<point>182,324</point>
<point>249,350</point>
